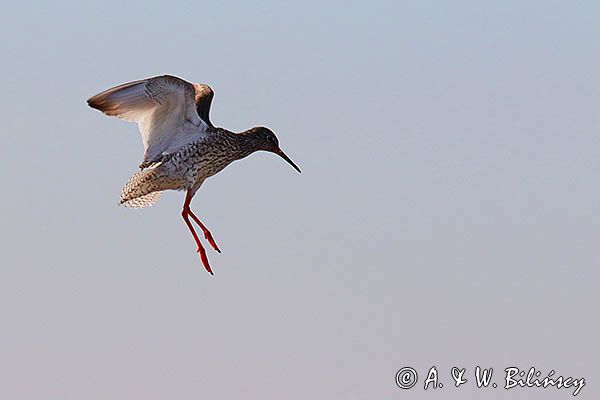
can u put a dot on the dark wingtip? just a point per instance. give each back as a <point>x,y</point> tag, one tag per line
<point>100,103</point>
<point>92,102</point>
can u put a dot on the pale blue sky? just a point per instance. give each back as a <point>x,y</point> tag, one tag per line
<point>448,211</point>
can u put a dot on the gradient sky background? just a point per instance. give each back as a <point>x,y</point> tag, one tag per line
<point>448,212</point>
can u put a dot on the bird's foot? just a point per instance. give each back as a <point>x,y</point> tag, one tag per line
<point>212,242</point>
<point>204,259</point>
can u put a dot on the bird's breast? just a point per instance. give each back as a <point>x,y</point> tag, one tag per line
<point>203,159</point>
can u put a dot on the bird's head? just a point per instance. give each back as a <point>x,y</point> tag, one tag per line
<point>265,139</point>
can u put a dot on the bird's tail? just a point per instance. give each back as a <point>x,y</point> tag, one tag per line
<point>142,190</point>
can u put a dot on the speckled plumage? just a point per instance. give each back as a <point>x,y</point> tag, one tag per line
<point>181,146</point>
<point>188,167</point>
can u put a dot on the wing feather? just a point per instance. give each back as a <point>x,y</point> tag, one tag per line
<point>164,107</point>
<point>204,96</point>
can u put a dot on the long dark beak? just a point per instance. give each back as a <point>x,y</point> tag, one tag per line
<point>286,158</point>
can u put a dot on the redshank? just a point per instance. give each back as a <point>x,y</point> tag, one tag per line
<point>181,146</point>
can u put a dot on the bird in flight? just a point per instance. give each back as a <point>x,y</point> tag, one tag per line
<point>181,146</point>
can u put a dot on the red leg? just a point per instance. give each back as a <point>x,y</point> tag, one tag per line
<point>207,234</point>
<point>185,214</point>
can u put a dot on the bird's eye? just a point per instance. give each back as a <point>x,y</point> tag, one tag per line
<point>271,139</point>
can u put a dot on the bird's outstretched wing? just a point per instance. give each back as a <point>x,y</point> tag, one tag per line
<point>164,107</point>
